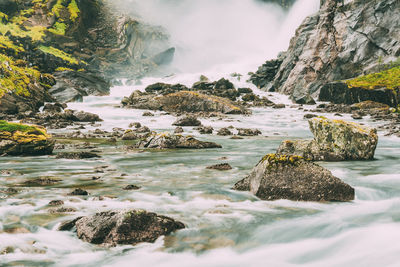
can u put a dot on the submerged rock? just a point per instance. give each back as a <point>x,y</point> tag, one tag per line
<point>122,227</point>
<point>248,132</point>
<point>294,178</point>
<point>187,121</point>
<point>20,139</point>
<point>220,167</point>
<point>334,140</point>
<point>77,155</point>
<point>171,141</point>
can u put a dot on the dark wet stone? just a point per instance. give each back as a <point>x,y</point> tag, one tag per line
<point>122,227</point>
<point>77,155</point>
<point>291,177</point>
<point>42,182</point>
<point>187,121</point>
<point>224,132</point>
<point>78,192</point>
<point>56,203</point>
<point>220,167</point>
<point>131,187</point>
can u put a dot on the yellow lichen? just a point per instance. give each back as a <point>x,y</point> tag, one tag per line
<point>60,54</point>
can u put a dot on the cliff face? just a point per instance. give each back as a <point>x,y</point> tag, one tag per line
<point>343,40</point>
<point>82,43</point>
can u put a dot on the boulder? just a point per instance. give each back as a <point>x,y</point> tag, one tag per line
<point>334,140</point>
<point>294,178</point>
<point>171,141</point>
<point>187,121</point>
<point>122,227</point>
<point>183,101</point>
<point>20,139</point>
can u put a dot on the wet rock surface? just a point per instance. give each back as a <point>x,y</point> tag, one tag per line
<point>291,177</point>
<point>123,227</point>
<point>334,140</point>
<point>18,139</point>
<point>220,167</point>
<point>171,141</point>
<point>183,101</point>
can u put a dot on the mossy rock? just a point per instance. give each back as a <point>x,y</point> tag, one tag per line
<point>279,176</point>
<point>20,139</point>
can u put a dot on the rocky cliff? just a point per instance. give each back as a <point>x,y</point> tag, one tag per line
<point>81,43</point>
<point>344,39</point>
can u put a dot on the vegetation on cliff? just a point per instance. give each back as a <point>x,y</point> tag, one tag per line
<point>386,79</point>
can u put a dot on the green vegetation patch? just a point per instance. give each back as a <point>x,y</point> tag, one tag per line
<point>386,79</point>
<point>7,44</point>
<point>60,54</point>
<point>73,10</point>
<point>15,77</point>
<point>59,28</point>
<point>14,127</point>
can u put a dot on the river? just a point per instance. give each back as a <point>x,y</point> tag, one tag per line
<point>224,227</point>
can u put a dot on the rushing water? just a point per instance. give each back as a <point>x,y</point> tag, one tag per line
<point>224,227</point>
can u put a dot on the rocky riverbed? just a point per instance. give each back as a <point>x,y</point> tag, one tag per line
<point>202,162</point>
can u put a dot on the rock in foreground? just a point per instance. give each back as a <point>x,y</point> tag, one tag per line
<point>334,140</point>
<point>171,141</point>
<point>123,227</point>
<point>291,177</point>
<point>20,139</point>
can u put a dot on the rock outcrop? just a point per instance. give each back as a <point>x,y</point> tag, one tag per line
<point>19,139</point>
<point>339,42</point>
<point>172,141</point>
<point>122,227</point>
<point>294,178</point>
<point>334,140</point>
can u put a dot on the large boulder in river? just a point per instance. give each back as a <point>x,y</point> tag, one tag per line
<point>171,141</point>
<point>183,101</point>
<point>294,178</point>
<point>334,140</point>
<point>123,227</point>
<point>19,139</point>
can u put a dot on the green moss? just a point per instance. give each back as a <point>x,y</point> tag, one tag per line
<point>64,69</point>
<point>60,54</point>
<point>73,10</point>
<point>14,127</point>
<point>7,44</point>
<point>57,8</point>
<point>16,78</point>
<point>36,33</point>
<point>386,79</point>
<point>59,28</point>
